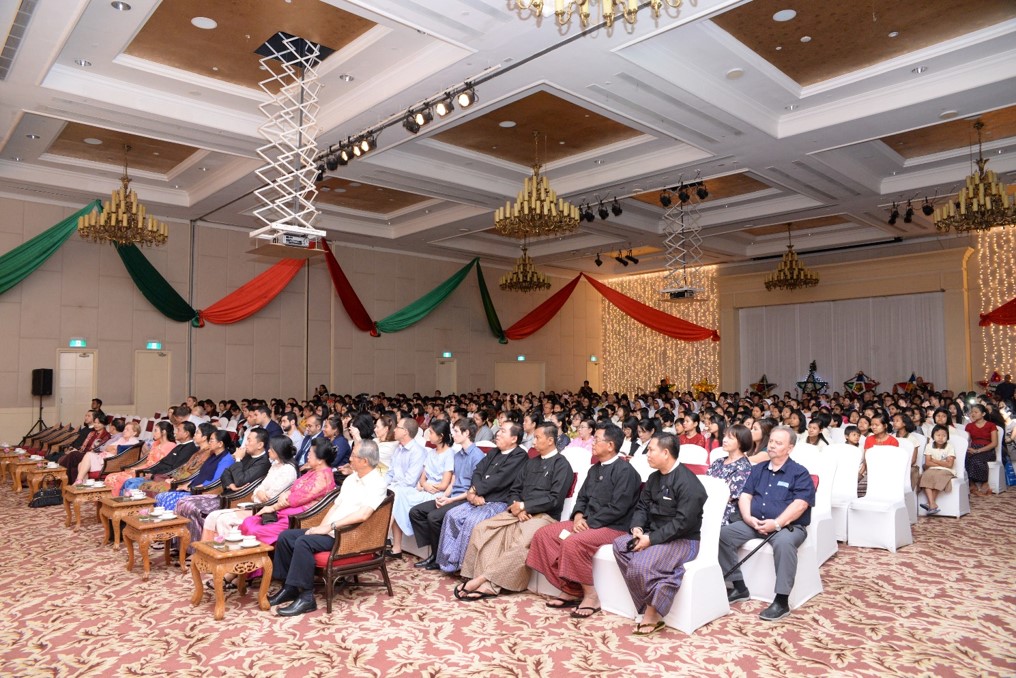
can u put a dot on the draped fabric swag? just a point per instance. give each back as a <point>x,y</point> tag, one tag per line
<point>156,289</point>
<point>422,307</point>
<point>347,295</point>
<point>1003,315</point>
<point>252,296</point>
<point>21,261</point>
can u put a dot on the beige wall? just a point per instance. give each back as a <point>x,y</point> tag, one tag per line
<point>84,290</point>
<point>943,270</point>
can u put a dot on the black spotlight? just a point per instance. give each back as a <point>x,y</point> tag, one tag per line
<point>444,107</point>
<point>320,174</point>
<point>908,216</point>
<point>927,208</point>
<point>343,156</point>
<point>621,260</point>
<point>588,215</point>
<point>665,198</point>
<point>602,211</point>
<point>616,208</point>
<point>410,123</point>
<point>682,195</point>
<point>422,117</point>
<point>630,258</point>
<point>702,192</point>
<point>598,261</point>
<point>332,162</point>
<point>894,215</point>
<point>467,97</point>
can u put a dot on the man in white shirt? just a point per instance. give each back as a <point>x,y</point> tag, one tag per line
<point>289,427</point>
<point>362,492</point>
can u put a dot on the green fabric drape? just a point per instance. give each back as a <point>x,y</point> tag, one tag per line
<point>156,289</point>
<point>488,307</point>
<point>21,261</point>
<point>419,309</point>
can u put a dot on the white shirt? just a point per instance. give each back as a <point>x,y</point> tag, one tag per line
<point>280,477</point>
<point>356,494</point>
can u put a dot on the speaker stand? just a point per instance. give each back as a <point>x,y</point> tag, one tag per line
<point>39,424</point>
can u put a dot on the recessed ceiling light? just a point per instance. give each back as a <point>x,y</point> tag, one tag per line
<point>506,124</point>
<point>805,38</point>
<point>560,143</point>
<point>92,141</point>
<point>735,73</point>
<point>203,169</point>
<point>1000,151</point>
<point>779,47</point>
<point>597,162</point>
<point>17,158</point>
<point>346,77</point>
<point>355,184</point>
<point>176,185</point>
<point>918,70</point>
<point>339,190</point>
<point>894,34</point>
<point>463,230</point>
<point>508,60</point>
<point>155,153</point>
<point>215,68</point>
<point>84,63</point>
<point>204,23</point>
<point>120,6</point>
<point>324,189</point>
<point>948,115</point>
<point>791,107</point>
<point>784,15</point>
<point>32,136</point>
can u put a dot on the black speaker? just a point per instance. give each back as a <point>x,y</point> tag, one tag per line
<point>42,382</point>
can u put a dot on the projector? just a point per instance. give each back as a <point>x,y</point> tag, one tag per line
<point>679,293</point>
<point>292,240</point>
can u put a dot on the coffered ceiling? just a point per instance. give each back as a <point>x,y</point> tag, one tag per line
<point>825,133</point>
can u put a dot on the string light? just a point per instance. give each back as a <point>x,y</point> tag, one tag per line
<point>996,259</point>
<point>635,357</point>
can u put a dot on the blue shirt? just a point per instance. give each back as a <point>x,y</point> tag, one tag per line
<point>342,451</point>
<point>406,465</point>
<point>465,461</point>
<point>773,491</point>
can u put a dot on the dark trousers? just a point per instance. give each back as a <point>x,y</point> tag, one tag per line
<point>294,557</point>
<point>427,519</point>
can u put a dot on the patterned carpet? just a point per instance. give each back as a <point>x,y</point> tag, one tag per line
<point>945,606</point>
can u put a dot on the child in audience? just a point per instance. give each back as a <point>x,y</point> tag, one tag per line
<point>938,462</point>
<point>852,435</point>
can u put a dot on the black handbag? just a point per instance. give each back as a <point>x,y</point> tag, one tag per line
<point>50,495</point>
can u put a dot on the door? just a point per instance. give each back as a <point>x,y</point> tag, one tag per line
<point>76,385</point>
<point>447,376</point>
<point>151,382</point>
<point>593,376</point>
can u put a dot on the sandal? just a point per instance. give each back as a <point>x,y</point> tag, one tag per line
<point>561,603</point>
<point>578,614</point>
<point>462,593</point>
<point>647,629</point>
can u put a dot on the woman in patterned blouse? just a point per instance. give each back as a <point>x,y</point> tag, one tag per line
<point>735,468</point>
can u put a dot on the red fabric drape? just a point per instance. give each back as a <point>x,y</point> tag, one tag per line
<point>347,295</point>
<point>541,315</point>
<point>253,296</point>
<point>1003,315</point>
<point>663,323</point>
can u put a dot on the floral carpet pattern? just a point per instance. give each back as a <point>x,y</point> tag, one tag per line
<point>945,606</point>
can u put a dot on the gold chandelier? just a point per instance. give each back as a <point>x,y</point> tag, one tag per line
<point>982,203</point>
<point>524,277</point>
<point>124,220</point>
<point>791,273</point>
<point>537,210</point>
<point>609,9</point>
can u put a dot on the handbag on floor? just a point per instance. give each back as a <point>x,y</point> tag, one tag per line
<point>50,493</point>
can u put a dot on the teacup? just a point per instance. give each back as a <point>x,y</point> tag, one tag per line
<point>52,464</point>
<point>248,542</point>
<point>158,511</point>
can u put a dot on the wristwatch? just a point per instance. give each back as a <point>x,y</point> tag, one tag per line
<point>777,524</point>
<point>522,506</point>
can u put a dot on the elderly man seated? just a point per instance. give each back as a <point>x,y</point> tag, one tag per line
<point>362,492</point>
<point>496,556</point>
<point>564,551</point>
<point>777,500</point>
<point>665,534</point>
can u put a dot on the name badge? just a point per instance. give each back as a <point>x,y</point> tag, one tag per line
<point>666,498</point>
<point>783,483</point>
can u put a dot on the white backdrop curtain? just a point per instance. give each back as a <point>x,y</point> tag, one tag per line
<point>887,338</point>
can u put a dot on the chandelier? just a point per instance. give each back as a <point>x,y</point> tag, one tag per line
<point>524,277</point>
<point>609,9</point>
<point>982,203</point>
<point>537,210</point>
<point>791,273</point>
<point>124,220</point>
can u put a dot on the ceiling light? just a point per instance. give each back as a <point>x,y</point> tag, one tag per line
<point>588,215</point>
<point>784,15</point>
<point>32,136</point>
<point>630,258</point>
<point>320,176</point>
<point>345,155</point>
<point>805,38</point>
<point>665,198</point>
<point>927,209</point>
<point>356,149</point>
<point>120,6</point>
<point>467,97</point>
<point>702,192</point>
<point>982,203</point>
<point>791,107</point>
<point>621,260</point>
<point>598,261</point>
<point>410,123</point>
<point>204,23</point>
<point>423,116</point>
<point>948,115</point>
<point>908,216</point>
<point>735,73</point>
<point>444,107</point>
<point>894,34</point>
<point>603,211</point>
<point>123,220</point>
<point>84,63</point>
<point>17,158</point>
<point>537,211</point>
<point>682,194</point>
<point>332,162</point>
<point>919,70</point>
<point>203,169</point>
<point>368,143</point>
<point>616,208</point>
<point>894,215</point>
<point>506,124</point>
<point>791,273</point>
<point>346,77</point>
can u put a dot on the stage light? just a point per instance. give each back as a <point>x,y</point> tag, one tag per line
<point>345,155</point>
<point>602,211</point>
<point>616,208</point>
<point>630,258</point>
<point>665,198</point>
<point>320,174</point>
<point>588,215</point>
<point>598,261</point>
<point>927,208</point>
<point>702,192</point>
<point>369,143</point>
<point>422,117</point>
<point>332,162</point>
<point>444,107</point>
<point>682,194</point>
<point>467,97</point>
<point>410,123</point>
<point>621,260</point>
<point>894,215</point>
<point>908,216</point>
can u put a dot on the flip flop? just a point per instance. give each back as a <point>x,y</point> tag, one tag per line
<point>462,593</point>
<point>561,603</point>
<point>649,630</point>
<point>577,614</point>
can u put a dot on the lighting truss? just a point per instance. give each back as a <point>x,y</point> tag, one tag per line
<point>682,237</point>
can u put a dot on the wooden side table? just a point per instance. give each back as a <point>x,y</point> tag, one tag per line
<point>20,468</point>
<point>75,495</point>
<point>146,531</point>
<point>6,459</point>
<point>113,510</point>
<point>210,558</point>
<point>36,476</point>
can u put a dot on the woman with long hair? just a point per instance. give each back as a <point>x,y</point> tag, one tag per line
<point>760,431</point>
<point>982,449</point>
<point>162,443</point>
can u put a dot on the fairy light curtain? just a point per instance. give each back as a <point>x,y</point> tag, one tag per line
<point>996,261</point>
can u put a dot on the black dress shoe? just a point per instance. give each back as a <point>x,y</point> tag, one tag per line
<point>423,564</point>
<point>432,565</point>
<point>393,556</point>
<point>300,606</point>
<point>286,594</point>
<point>778,610</point>
<point>736,595</point>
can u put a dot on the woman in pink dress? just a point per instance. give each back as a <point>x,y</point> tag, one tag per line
<point>162,443</point>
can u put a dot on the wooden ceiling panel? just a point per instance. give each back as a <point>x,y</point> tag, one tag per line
<point>803,225</point>
<point>947,136</point>
<point>539,112</point>
<point>848,36</point>
<point>147,154</point>
<point>227,52</point>
<point>720,188</point>
<point>362,197</point>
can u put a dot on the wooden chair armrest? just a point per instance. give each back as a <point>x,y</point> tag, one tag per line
<point>315,514</point>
